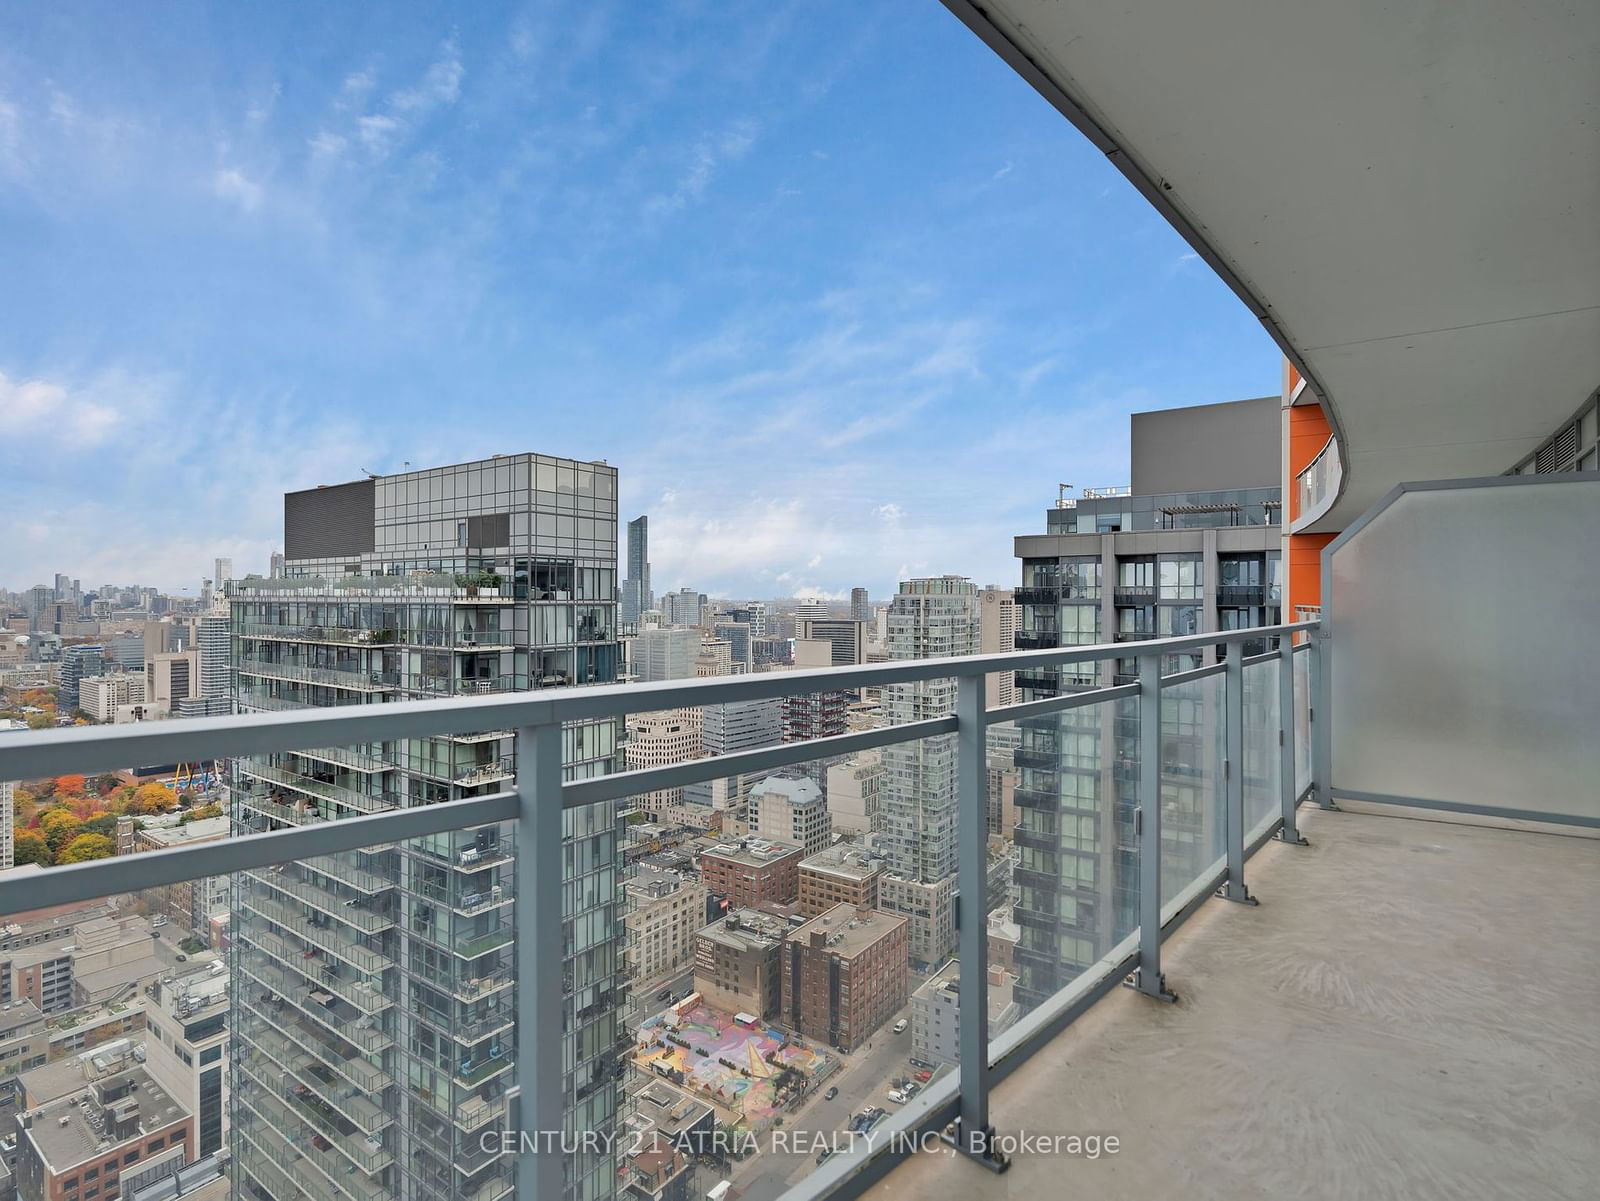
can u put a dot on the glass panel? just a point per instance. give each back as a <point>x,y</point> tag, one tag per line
<point>1262,765</point>
<point>1192,751</point>
<point>1302,721</point>
<point>1077,861</point>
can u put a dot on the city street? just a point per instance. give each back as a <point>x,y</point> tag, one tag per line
<point>864,1081</point>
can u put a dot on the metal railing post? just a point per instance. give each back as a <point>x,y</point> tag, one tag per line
<point>972,1134</point>
<point>1320,679</point>
<point>539,958</point>
<point>1287,768</point>
<point>1147,825</point>
<point>1233,775</point>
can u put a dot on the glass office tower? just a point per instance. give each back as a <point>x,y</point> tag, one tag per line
<point>375,1037</point>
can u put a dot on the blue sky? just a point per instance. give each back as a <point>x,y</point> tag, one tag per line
<point>841,297</point>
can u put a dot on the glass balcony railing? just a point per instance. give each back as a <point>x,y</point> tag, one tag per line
<point>1318,485</point>
<point>370,937</point>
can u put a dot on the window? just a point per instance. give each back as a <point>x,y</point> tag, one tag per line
<point>1181,579</point>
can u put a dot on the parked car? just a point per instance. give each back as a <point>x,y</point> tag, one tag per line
<point>911,1090</point>
<point>664,995</point>
<point>831,1093</point>
<point>924,1076</point>
<point>898,1097</point>
<point>824,1155</point>
<point>900,1026</point>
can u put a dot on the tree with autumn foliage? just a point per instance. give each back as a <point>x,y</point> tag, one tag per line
<point>71,785</point>
<point>58,827</point>
<point>29,846</point>
<point>151,798</point>
<point>85,847</point>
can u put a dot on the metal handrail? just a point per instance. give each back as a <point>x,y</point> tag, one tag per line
<point>30,754</point>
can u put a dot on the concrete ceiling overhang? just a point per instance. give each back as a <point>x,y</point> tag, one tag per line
<point>1406,194</point>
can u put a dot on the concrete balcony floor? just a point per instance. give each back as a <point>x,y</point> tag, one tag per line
<point>1410,1013</point>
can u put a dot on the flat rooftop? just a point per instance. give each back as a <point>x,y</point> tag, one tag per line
<point>87,1132</point>
<point>753,852</point>
<point>744,929</point>
<point>847,929</point>
<point>1407,1014</point>
<point>848,862</point>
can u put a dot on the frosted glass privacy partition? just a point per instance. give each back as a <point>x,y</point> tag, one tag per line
<point>1466,670</point>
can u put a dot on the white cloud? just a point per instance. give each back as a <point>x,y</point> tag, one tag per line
<point>230,183</point>
<point>441,84</point>
<point>53,413</point>
<point>708,154</point>
<point>377,132</point>
<point>327,145</point>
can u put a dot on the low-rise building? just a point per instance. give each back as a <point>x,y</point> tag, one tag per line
<point>753,871</point>
<point>936,1014</point>
<point>736,962</point>
<point>841,875</point>
<point>99,696</point>
<point>24,1038</point>
<point>930,907</point>
<point>664,912</point>
<point>84,1122</point>
<point>844,974</point>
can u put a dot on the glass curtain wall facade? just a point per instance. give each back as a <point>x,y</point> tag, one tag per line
<point>375,1038</point>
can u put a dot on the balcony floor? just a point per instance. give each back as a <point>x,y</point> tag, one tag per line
<point>1410,1013</point>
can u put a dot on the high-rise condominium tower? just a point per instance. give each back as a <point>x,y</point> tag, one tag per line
<point>860,605</point>
<point>636,594</point>
<point>929,618</point>
<point>375,1032</point>
<point>1192,546</point>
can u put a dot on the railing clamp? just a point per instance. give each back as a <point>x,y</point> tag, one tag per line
<point>978,1146</point>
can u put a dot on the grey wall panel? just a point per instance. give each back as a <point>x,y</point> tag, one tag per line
<point>1207,448</point>
<point>326,523</point>
<point>1465,663</point>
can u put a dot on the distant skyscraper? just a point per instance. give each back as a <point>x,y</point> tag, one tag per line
<point>685,607</point>
<point>636,594</point>
<point>860,605</point>
<point>999,634</point>
<point>275,568</point>
<point>375,1038</point>
<point>811,607</point>
<point>221,574</point>
<point>929,619</point>
<point>665,654</point>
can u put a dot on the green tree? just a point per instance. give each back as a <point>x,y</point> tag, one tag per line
<point>29,846</point>
<point>101,823</point>
<point>85,847</point>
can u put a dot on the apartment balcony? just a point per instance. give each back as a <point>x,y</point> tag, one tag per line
<point>1133,595</point>
<point>354,679</point>
<point>1241,596</point>
<point>323,790</point>
<point>1399,1004</point>
<point>1036,640</point>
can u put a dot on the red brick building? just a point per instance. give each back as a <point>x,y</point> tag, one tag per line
<point>753,872</point>
<point>845,972</point>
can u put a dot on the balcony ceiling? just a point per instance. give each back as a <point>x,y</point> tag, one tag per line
<point>1408,195</point>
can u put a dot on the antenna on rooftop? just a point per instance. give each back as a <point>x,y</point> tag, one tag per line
<point>1061,496</point>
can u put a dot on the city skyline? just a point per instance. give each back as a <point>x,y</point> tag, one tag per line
<point>806,388</point>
